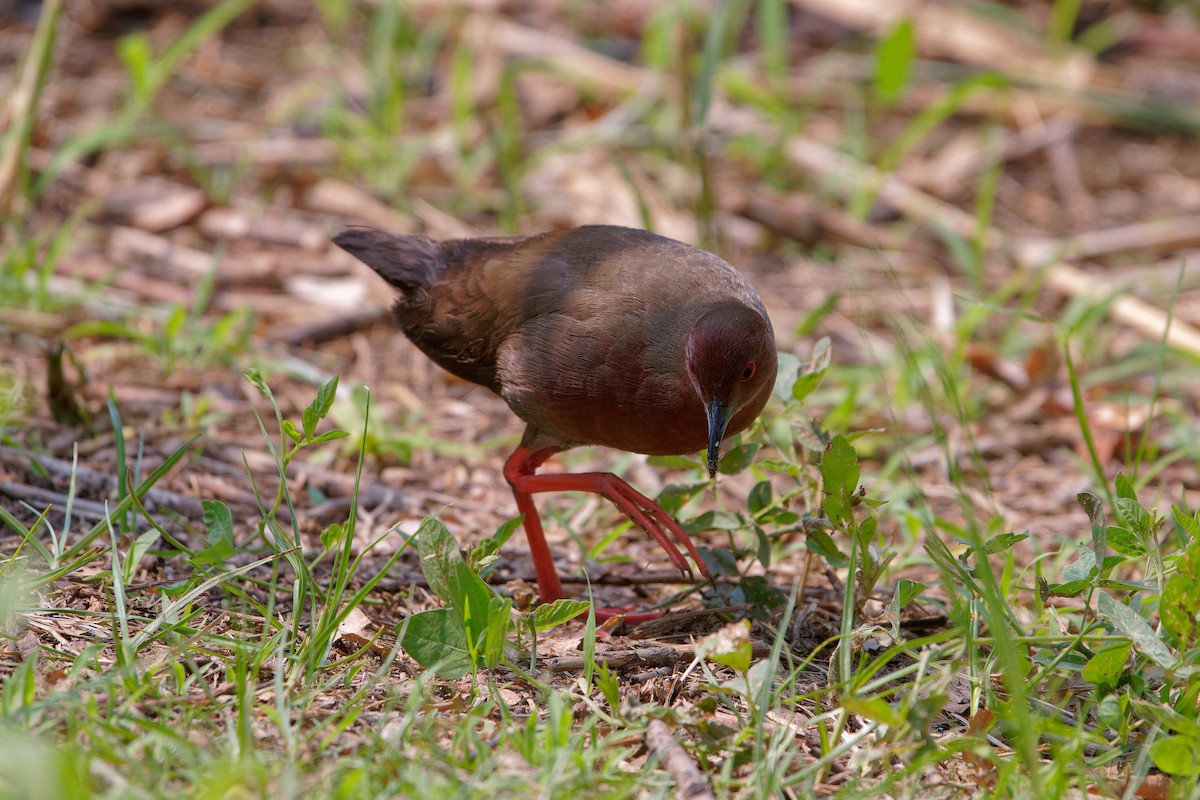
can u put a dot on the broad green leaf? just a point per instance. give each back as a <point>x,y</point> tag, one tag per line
<point>805,384</point>
<point>1177,755</point>
<point>760,497</point>
<point>729,646</point>
<point>436,640</point>
<point>1190,523</point>
<point>1082,568</point>
<point>218,522</point>
<point>906,592</point>
<point>673,462</point>
<point>324,399</point>
<point>439,557</point>
<point>1127,623</point>
<point>474,601</point>
<point>1179,605</point>
<point>1005,541</point>
<point>821,543</point>
<point>1107,665</point>
<point>549,615</point>
<point>499,622</point>
<point>839,473</point>
<point>737,459</point>
<point>1123,541</point>
<point>713,521</point>
<point>874,709</point>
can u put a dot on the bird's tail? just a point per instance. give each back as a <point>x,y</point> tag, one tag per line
<point>410,263</point>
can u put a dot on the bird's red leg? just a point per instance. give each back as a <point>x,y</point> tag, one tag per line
<point>520,469</point>
<point>549,586</point>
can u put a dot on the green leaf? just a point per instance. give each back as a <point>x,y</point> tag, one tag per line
<point>714,521</point>
<point>218,522</point>
<point>324,399</point>
<point>332,536</point>
<point>763,546</point>
<point>763,598</point>
<point>439,557</point>
<point>289,430</point>
<point>475,603</point>
<point>673,497</point>
<point>550,615</point>
<point>1123,541</point>
<point>436,640</point>
<point>1082,568</point>
<point>1003,542</point>
<point>484,553</point>
<point>1177,755</point>
<point>1107,665</point>
<point>1095,511</point>
<point>874,709</point>
<point>1068,589</point>
<point>760,497</point>
<point>729,646</point>
<point>499,620</point>
<point>1127,623</point>
<point>256,379</point>
<point>673,462</point>
<point>329,436</point>
<point>1124,488</point>
<point>839,473</point>
<point>738,458</point>
<point>1188,522</point>
<point>805,384</point>
<point>1179,605</point>
<point>906,592</point>
<point>821,543</point>
<point>893,61</point>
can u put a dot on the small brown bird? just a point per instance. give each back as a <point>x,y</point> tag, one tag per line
<point>598,335</point>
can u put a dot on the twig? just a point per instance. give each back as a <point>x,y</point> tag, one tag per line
<point>661,656</point>
<point>37,495</point>
<point>689,780</point>
<point>97,483</point>
<point>327,330</point>
<point>824,161</point>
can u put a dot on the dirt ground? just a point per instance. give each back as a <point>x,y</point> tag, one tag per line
<point>234,173</point>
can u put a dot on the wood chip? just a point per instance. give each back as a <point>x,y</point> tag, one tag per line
<point>689,781</point>
<point>272,226</point>
<point>154,203</point>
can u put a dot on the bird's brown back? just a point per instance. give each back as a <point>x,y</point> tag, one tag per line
<point>581,331</point>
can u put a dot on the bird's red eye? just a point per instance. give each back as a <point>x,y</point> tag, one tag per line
<point>748,372</point>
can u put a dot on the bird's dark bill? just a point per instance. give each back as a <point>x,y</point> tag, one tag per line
<point>719,415</point>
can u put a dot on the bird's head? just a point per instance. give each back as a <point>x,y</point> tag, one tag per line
<point>731,361</point>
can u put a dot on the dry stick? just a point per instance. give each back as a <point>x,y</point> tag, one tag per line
<point>825,162</point>
<point>946,31</point>
<point>36,495</point>
<point>15,458</point>
<point>688,778</point>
